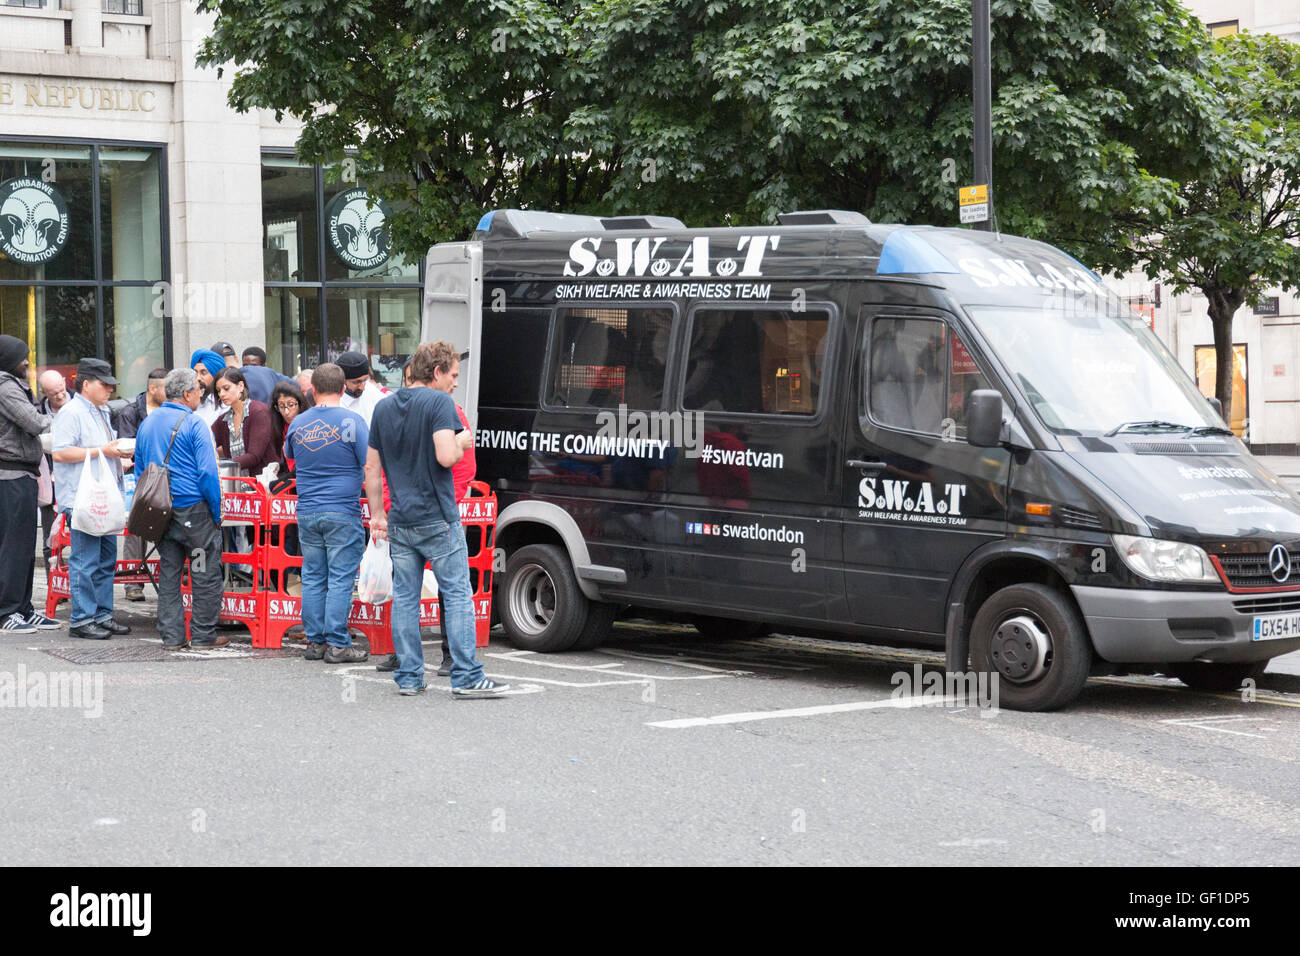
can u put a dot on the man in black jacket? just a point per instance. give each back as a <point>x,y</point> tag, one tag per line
<point>20,464</point>
<point>129,420</point>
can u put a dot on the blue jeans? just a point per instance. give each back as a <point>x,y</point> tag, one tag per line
<point>443,547</point>
<point>332,543</point>
<point>90,576</point>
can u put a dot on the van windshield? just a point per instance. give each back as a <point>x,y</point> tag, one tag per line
<point>1090,373</point>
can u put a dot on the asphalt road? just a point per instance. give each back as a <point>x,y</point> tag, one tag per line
<point>656,749</point>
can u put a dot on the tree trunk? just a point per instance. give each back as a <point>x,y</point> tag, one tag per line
<point>1224,304</point>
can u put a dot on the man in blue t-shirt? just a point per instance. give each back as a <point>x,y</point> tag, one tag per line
<point>327,445</point>
<point>416,437</point>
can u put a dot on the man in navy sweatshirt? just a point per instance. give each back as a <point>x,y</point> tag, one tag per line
<point>195,529</point>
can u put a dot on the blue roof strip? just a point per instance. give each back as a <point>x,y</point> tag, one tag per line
<point>1082,266</point>
<point>906,253</point>
<point>485,223</point>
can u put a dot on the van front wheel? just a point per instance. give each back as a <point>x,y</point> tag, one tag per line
<point>544,609</point>
<point>1030,640</point>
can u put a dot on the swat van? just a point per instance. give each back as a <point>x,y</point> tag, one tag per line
<point>910,435</point>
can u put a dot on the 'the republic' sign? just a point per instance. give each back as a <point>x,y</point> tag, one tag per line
<point>33,220</point>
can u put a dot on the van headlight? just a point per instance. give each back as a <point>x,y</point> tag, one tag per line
<point>1165,560</point>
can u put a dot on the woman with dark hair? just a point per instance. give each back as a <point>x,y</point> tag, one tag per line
<point>287,403</point>
<point>243,432</point>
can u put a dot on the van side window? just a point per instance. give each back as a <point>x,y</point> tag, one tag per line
<point>921,376</point>
<point>756,361</point>
<point>611,357</point>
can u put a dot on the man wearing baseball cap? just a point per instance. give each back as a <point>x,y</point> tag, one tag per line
<point>227,353</point>
<point>82,425</point>
<point>20,463</point>
<point>360,393</point>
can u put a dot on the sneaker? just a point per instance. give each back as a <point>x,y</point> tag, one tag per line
<point>43,623</point>
<point>135,592</point>
<point>389,663</point>
<point>412,691</point>
<point>483,688</point>
<point>444,669</point>
<point>315,650</point>
<point>346,655</point>
<point>17,624</point>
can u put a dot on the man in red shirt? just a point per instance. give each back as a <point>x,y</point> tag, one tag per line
<point>462,473</point>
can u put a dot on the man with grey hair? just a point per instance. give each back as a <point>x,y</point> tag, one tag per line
<point>182,443</point>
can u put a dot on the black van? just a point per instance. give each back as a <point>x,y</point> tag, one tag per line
<point>912,435</point>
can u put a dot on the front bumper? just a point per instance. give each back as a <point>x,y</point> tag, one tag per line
<point>1135,626</point>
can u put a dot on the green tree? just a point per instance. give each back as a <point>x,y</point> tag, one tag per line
<point>731,110</point>
<point>1232,232</point>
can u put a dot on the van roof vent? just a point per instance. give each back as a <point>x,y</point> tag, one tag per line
<point>823,217</point>
<point>642,222</point>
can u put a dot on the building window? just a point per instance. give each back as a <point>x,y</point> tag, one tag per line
<point>34,4</point>
<point>1224,28</point>
<point>134,8</point>
<point>332,282</point>
<point>82,243</point>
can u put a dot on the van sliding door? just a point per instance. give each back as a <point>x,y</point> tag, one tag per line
<point>750,521</point>
<point>918,499</point>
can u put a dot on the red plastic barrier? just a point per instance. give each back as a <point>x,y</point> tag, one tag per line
<point>267,608</point>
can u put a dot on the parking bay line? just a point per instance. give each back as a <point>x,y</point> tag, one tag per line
<point>815,711</point>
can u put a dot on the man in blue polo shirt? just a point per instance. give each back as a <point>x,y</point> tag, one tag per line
<point>195,529</point>
<point>327,445</point>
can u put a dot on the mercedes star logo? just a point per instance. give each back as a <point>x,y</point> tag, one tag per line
<point>1279,563</point>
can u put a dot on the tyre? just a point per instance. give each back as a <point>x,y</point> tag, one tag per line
<point>600,619</point>
<point>542,607</point>
<point>1031,638</point>
<point>728,629</point>
<point>1218,678</point>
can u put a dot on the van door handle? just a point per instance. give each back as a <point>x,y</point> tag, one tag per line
<point>867,465</point>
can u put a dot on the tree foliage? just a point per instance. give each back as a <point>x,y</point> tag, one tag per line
<point>732,110</point>
<point>1232,232</point>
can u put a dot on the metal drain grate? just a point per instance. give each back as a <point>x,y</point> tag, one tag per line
<point>155,653</point>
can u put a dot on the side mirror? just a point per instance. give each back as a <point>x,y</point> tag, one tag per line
<point>1217,406</point>
<point>984,418</point>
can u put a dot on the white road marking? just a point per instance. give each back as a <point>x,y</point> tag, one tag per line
<point>691,661</point>
<point>1203,723</point>
<point>741,718</point>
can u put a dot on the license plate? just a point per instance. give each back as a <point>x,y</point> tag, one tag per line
<point>1272,627</point>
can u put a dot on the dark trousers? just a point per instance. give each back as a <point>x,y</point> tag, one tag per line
<point>17,545</point>
<point>194,535</point>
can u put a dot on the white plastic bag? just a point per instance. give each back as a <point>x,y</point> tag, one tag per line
<point>430,589</point>
<point>375,578</point>
<point>98,508</point>
<point>269,474</point>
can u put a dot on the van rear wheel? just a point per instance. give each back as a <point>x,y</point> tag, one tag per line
<point>1216,678</point>
<point>600,621</point>
<point>1031,640</point>
<point>544,609</point>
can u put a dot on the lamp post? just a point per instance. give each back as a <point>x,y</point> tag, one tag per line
<point>982,87</point>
